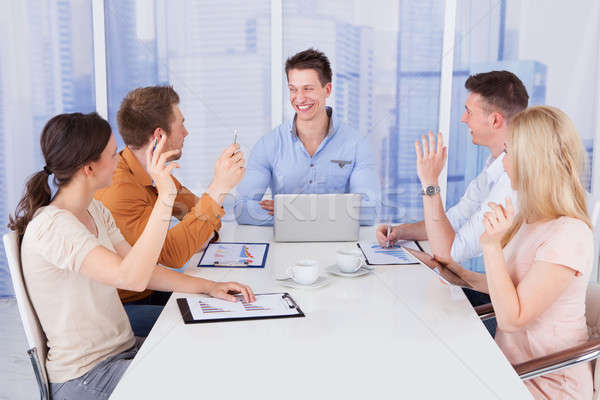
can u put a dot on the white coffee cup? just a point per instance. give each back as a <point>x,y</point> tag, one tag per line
<point>304,272</point>
<point>349,260</point>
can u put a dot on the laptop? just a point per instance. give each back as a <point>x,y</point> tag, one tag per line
<point>316,217</point>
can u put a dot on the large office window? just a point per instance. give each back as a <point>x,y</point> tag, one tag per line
<point>552,63</point>
<point>46,68</point>
<point>386,57</point>
<point>386,60</point>
<point>215,53</point>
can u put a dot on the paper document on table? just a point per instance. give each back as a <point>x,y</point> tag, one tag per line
<point>227,254</point>
<point>393,255</point>
<point>207,309</point>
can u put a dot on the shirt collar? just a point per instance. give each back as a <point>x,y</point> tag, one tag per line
<point>333,124</point>
<point>494,168</point>
<point>140,176</point>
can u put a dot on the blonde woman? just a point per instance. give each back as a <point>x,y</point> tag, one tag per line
<point>538,262</point>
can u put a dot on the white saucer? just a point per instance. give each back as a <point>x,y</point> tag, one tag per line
<point>335,270</point>
<point>289,282</point>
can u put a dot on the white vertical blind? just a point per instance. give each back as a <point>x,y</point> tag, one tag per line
<point>276,62</point>
<point>99,46</point>
<point>446,84</point>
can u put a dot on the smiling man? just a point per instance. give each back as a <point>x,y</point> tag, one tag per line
<point>314,152</point>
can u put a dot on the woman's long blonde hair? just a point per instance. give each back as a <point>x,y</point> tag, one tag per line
<point>547,160</point>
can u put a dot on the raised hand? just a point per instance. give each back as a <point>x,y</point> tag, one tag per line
<point>229,169</point>
<point>159,171</point>
<point>497,222</point>
<point>430,158</point>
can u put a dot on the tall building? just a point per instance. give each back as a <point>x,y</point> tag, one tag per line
<point>220,67</point>
<point>131,57</point>
<point>53,71</point>
<point>354,76</point>
<point>418,66</point>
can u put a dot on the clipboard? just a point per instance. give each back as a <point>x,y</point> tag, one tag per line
<point>209,309</point>
<point>234,255</point>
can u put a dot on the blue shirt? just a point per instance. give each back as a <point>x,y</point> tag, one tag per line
<point>343,163</point>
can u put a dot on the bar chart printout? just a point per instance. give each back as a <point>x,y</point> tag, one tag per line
<point>377,255</point>
<point>234,254</point>
<point>203,308</point>
<point>208,309</point>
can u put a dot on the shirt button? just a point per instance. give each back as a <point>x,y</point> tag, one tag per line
<point>309,181</point>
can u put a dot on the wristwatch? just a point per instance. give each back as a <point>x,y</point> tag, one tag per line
<point>430,190</point>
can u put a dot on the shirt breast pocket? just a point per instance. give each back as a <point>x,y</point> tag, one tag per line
<point>338,175</point>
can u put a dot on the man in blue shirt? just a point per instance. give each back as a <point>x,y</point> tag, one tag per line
<point>314,152</point>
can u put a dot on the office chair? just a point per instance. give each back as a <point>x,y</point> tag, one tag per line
<point>594,213</point>
<point>588,351</point>
<point>36,339</point>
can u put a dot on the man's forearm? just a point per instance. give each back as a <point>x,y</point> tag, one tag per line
<point>412,231</point>
<point>438,228</point>
<point>250,212</point>
<point>217,193</point>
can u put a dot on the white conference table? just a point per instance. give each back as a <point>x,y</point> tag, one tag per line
<point>396,332</point>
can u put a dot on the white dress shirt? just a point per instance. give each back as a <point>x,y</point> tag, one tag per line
<point>491,185</point>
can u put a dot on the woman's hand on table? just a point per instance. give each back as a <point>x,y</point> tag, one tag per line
<point>224,290</point>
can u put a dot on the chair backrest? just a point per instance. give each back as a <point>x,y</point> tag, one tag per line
<point>592,316</point>
<point>36,339</point>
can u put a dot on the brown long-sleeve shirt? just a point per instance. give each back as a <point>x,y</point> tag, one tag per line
<point>131,198</point>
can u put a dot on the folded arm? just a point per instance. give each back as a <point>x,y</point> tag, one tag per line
<point>250,191</point>
<point>364,180</point>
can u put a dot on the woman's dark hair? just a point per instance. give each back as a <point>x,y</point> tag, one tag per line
<point>68,142</point>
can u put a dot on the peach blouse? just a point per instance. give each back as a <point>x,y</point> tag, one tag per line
<point>568,242</point>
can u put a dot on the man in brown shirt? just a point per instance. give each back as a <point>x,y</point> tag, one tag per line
<point>144,116</point>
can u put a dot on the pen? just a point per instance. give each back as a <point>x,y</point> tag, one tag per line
<point>155,143</point>
<point>389,228</point>
<point>235,136</point>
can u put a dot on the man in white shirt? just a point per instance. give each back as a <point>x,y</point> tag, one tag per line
<point>494,98</point>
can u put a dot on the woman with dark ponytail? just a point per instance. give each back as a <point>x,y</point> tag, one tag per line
<point>68,141</point>
<point>74,256</point>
